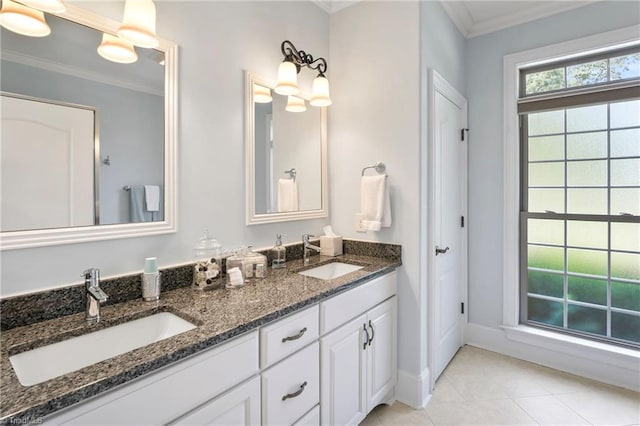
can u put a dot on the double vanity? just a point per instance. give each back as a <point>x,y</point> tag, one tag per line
<point>309,344</point>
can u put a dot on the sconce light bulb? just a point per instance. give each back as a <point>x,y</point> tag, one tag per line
<point>320,92</point>
<point>50,6</point>
<point>23,20</point>
<point>295,104</point>
<point>116,49</point>
<point>139,23</point>
<point>287,79</point>
<point>261,94</point>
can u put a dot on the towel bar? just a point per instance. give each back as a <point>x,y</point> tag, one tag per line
<point>379,166</point>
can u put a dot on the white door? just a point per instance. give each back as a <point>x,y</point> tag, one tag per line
<point>240,406</point>
<point>381,352</point>
<point>47,161</point>
<point>343,360</point>
<point>448,256</point>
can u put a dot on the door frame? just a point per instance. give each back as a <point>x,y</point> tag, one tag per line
<point>436,83</point>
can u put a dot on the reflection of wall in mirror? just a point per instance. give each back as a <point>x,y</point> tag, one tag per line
<point>297,144</point>
<point>262,149</point>
<point>131,129</point>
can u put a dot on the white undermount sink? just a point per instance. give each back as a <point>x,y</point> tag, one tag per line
<point>330,270</point>
<point>46,362</point>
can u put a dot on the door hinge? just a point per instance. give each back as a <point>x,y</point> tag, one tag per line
<point>462,133</point>
<point>461,221</point>
<point>462,307</point>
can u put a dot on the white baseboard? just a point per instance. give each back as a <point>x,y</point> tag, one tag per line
<point>413,390</point>
<point>615,366</point>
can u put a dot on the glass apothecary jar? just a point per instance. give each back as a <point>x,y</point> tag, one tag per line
<point>207,253</point>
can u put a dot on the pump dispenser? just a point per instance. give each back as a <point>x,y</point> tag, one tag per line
<point>278,253</point>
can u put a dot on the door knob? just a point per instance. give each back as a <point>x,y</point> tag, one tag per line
<point>441,251</point>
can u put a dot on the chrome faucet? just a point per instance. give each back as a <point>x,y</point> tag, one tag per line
<point>307,246</point>
<point>94,296</point>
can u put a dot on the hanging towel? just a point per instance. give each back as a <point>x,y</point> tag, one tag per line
<point>375,204</point>
<point>287,195</point>
<point>137,212</point>
<point>152,197</point>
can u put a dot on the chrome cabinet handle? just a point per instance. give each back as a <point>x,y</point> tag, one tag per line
<point>296,393</point>
<point>372,333</point>
<point>296,337</point>
<point>366,339</point>
<point>441,251</point>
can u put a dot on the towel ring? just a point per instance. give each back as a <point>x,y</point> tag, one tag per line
<point>379,166</point>
<point>292,173</point>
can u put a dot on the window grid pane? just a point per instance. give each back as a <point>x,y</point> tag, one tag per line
<point>583,276</point>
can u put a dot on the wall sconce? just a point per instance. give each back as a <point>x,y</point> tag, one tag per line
<point>295,104</point>
<point>294,60</point>
<point>139,23</point>
<point>116,49</point>
<point>23,20</point>
<point>261,94</point>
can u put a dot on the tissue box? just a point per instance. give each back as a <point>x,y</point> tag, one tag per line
<point>330,246</point>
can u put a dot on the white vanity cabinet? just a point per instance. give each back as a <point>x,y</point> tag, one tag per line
<point>330,363</point>
<point>358,367</point>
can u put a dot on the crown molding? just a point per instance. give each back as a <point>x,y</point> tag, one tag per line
<point>462,18</point>
<point>52,66</point>
<point>333,6</point>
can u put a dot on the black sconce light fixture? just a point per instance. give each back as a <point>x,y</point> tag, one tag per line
<point>294,61</point>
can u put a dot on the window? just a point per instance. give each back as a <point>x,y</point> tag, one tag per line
<point>580,196</point>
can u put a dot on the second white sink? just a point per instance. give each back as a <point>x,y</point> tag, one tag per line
<point>330,270</point>
<point>46,362</point>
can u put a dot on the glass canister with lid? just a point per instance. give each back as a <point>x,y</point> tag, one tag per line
<point>207,274</point>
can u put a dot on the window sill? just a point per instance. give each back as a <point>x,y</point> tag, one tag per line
<point>575,346</point>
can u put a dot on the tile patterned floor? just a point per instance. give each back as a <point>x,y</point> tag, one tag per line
<point>485,388</point>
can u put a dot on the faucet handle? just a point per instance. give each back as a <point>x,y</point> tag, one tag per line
<point>93,273</point>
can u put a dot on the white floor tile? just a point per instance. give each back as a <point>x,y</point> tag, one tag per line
<point>548,410</point>
<point>605,407</point>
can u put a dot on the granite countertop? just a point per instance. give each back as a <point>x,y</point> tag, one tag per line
<point>219,314</point>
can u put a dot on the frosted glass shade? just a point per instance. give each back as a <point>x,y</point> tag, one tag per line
<point>287,79</point>
<point>320,92</point>
<point>261,94</point>
<point>295,104</point>
<point>50,6</point>
<point>116,49</point>
<point>139,23</point>
<point>23,20</point>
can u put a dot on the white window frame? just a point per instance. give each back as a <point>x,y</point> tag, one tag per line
<point>628,36</point>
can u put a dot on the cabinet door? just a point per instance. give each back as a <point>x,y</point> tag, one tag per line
<point>239,406</point>
<point>343,357</point>
<point>382,368</point>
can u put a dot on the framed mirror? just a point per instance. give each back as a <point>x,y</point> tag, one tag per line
<point>100,161</point>
<point>286,156</point>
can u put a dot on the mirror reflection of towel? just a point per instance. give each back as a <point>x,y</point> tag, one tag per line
<point>287,195</point>
<point>375,203</point>
<point>139,203</point>
<point>152,197</point>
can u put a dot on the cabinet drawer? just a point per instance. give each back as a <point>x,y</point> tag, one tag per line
<point>288,335</point>
<point>172,391</point>
<point>292,387</point>
<point>312,418</point>
<point>343,307</point>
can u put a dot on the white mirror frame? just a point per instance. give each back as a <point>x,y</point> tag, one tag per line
<point>48,237</point>
<point>253,218</point>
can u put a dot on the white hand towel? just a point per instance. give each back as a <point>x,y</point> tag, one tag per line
<point>287,195</point>
<point>375,204</point>
<point>152,197</point>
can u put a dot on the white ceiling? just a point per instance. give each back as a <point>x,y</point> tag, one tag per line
<point>477,17</point>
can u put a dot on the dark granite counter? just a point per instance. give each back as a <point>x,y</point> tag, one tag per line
<point>219,314</point>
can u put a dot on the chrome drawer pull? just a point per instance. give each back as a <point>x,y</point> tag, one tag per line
<point>296,393</point>
<point>372,333</point>
<point>296,337</point>
<point>366,339</point>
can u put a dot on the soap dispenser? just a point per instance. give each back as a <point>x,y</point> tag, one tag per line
<point>278,253</point>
